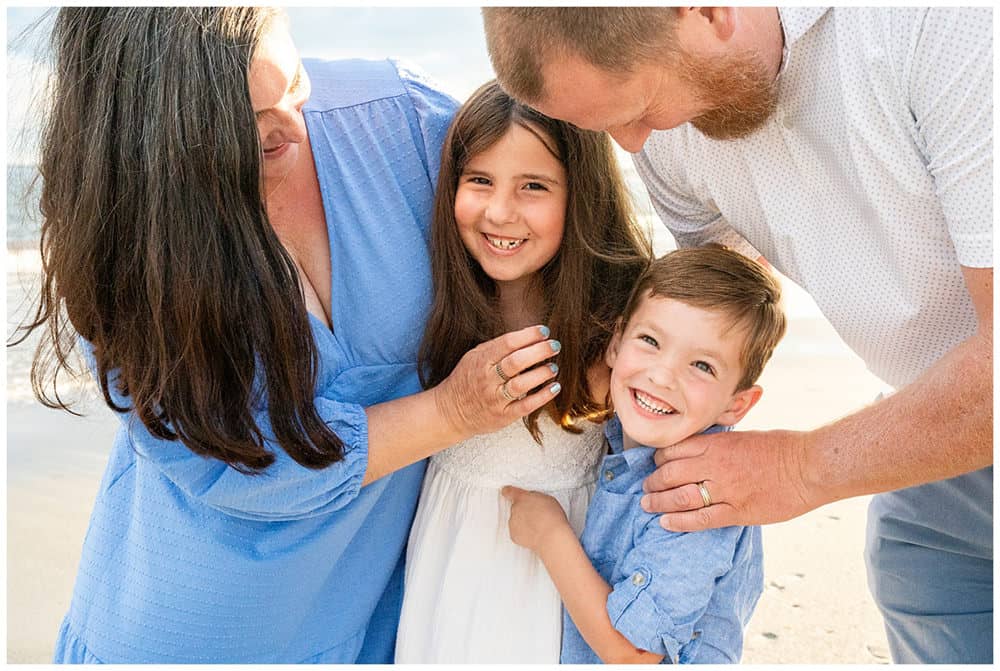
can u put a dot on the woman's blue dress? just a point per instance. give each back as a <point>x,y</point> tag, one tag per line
<point>188,560</point>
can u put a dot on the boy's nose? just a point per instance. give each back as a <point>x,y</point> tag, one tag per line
<point>662,375</point>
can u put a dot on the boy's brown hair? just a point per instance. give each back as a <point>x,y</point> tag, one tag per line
<point>723,281</point>
<point>615,39</point>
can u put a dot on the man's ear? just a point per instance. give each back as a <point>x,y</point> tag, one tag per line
<point>740,405</point>
<point>717,22</point>
<point>611,353</point>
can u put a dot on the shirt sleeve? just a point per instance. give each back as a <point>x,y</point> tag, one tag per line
<point>435,110</point>
<point>948,69</point>
<point>286,490</point>
<point>691,222</point>
<point>669,580</point>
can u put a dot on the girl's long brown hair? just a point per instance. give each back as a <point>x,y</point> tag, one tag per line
<point>584,287</point>
<point>156,246</point>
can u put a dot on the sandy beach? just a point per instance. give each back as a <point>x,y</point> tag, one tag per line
<point>815,609</point>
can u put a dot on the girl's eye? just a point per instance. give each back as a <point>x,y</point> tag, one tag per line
<point>535,186</point>
<point>705,367</point>
<point>649,340</point>
<point>475,179</point>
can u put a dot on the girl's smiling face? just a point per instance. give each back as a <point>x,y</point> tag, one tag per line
<point>510,205</point>
<point>674,373</point>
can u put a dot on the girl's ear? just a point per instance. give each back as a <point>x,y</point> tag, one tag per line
<point>739,405</point>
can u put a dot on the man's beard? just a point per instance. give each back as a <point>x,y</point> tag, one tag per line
<point>739,93</point>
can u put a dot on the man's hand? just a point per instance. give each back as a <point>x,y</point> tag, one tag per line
<point>534,517</point>
<point>751,477</point>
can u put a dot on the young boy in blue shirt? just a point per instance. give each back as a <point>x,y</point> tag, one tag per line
<point>694,337</point>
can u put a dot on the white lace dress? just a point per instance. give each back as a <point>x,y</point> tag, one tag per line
<point>471,594</point>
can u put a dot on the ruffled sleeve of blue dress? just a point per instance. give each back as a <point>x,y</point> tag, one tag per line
<point>189,560</point>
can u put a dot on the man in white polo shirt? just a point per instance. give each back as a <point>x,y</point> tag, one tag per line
<point>851,148</point>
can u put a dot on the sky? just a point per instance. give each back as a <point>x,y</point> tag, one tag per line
<point>447,43</point>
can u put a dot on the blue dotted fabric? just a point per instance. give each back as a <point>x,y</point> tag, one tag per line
<point>187,560</point>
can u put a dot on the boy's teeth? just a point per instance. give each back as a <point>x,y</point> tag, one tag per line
<point>648,404</point>
<point>504,244</point>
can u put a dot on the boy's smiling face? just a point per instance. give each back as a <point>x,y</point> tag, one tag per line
<point>674,373</point>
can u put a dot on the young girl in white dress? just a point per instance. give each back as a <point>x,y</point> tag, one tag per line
<point>532,225</point>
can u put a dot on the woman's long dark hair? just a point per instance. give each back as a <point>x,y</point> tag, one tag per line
<point>584,286</point>
<point>156,246</point>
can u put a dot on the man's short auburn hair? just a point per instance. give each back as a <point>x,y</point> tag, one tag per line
<point>616,39</point>
<point>725,282</point>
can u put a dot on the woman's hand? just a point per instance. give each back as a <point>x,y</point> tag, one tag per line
<point>534,518</point>
<point>489,387</point>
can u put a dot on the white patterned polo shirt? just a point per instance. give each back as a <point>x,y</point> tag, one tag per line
<point>872,184</point>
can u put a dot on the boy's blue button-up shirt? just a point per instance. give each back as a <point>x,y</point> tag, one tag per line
<point>686,596</point>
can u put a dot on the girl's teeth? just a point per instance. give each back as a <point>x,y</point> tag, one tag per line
<point>648,405</point>
<point>505,244</point>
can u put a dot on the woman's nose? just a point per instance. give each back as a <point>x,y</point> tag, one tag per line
<point>291,123</point>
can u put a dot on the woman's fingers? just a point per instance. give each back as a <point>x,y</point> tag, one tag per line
<point>519,385</point>
<point>532,402</point>
<point>514,352</point>
<point>528,357</point>
<point>493,383</point>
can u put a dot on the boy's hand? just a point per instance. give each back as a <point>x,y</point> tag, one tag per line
<point>534,517</point>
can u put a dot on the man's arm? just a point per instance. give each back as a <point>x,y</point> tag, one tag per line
<point>938,427</point>
<point>539,524</point>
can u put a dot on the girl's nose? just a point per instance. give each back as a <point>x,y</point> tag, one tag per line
<point>500,210</point>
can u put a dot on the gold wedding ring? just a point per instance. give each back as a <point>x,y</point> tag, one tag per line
<point>706,498</point>
<point>500,373</point>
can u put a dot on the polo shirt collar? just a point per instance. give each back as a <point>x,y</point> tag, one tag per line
<point>795,22</point>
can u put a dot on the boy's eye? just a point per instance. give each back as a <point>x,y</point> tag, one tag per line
<point>649,340</point>
<point>705,367</point>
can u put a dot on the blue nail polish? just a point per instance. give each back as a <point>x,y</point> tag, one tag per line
<point>554,368</point>
<point>556,345</point>
<point>555,389</point>
<point>545,331</point>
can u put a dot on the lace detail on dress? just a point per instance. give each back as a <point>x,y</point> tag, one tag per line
<point>510,456</point>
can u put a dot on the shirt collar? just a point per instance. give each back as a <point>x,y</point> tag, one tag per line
<point>642,454</point>
<point>613,432</point>
<point>795,22</point>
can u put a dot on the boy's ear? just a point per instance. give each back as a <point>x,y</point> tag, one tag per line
<point>611,353</point>
<point>740,405</point>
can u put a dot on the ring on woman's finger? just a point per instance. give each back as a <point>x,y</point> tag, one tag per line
<point>506,393</point>
<point>499,371</point>
<point>706,498</point>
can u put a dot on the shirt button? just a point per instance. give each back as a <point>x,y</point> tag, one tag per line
<point>787,122</point>
<point>638,579</point>
<point>609,476</point>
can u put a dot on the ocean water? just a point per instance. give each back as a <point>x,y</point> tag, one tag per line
<point>23,218</point>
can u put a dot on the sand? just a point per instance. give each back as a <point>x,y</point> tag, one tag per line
<point>815,608</point>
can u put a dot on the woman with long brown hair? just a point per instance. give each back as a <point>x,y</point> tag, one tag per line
<point>245,269</point>
<point>532,222</point>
